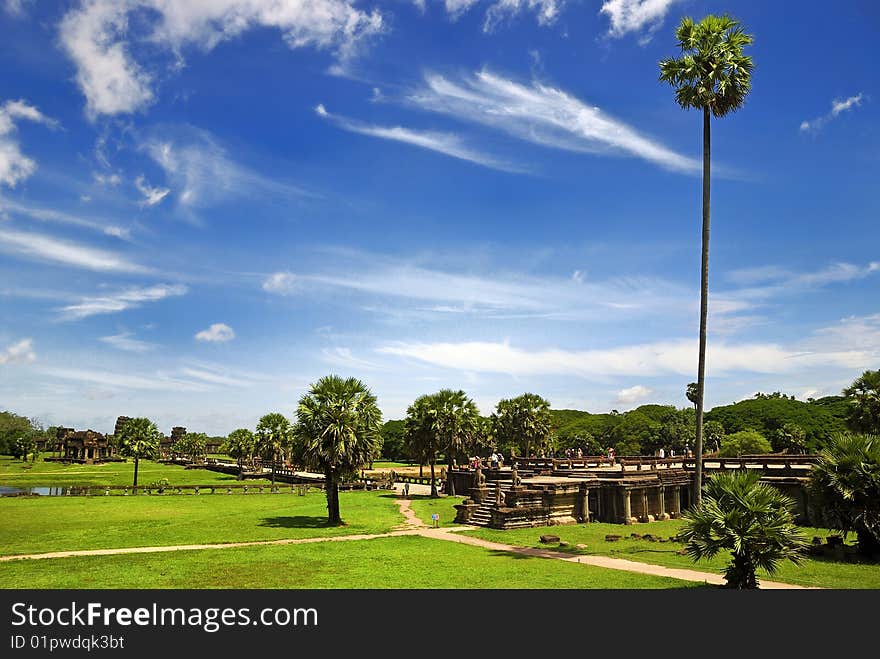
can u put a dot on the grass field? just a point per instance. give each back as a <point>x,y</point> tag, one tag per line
<point>15,473</point>
<point>43,524</point>
<point>814,572</point>
<point>402,562</point>
<point>424,506</point>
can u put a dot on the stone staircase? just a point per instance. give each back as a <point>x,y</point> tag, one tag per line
<point>482,516</point>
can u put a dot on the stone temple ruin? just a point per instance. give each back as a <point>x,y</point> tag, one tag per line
<point>90,446</point>
<point>546,492</point>
<point>85,446</point>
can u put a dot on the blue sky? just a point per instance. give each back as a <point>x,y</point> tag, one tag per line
<point>205,206</point>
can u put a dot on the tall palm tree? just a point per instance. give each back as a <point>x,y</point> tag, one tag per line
<point>846,485</point>
<point>337,433</point>
<point>458,424</point>
<point>523,423</point>
<point>274,435</point>
<point>752,520</point>
<point>420,433</point>
<point>713,76</point>
<point>139,438</point>
<point>240,445</point>
<point>446,421</point>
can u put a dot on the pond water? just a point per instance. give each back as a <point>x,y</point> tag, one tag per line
<point>52,491</point>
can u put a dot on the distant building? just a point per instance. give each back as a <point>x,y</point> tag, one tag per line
<point>165,444</point>
<point>87,446</point>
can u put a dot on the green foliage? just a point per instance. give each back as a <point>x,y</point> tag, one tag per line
<point>713,435</point>
<point>790,438</point>
<point>769,414</point>
<point>337,433</point>
<point>393,441</point>
<point>574,428</point>
<point>26,445</point>
<point>139,438</point>
<point>744,442</point>
<point>635,429</point>
<point>12,428</point>
<point>241,445</point>
<point>274,436</point>
<point>522,425</point>
<point>446,421</point>
<point>863,399</point>
<point>713,73</point>
<point>752,520</point>
<point>191,445</point>
<point>846,484</point>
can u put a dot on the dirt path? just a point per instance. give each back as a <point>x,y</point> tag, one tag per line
<point>412,525</point>
<point>412,520</point>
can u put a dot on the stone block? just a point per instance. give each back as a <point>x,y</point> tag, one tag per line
<point>548,539</point>
<point>635,536</point>
<point>612,537</point>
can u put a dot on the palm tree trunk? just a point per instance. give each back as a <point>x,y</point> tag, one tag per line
<point>135,472</point>
<point>704,308</point>
<point>433,482</point>
<point>332,487</point>
<point>448,482</point>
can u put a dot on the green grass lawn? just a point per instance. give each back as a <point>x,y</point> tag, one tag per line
<point>15,473</point>
<point>43,524</point>
<point>401,562</point>
<point>814,572</point>
<point>424,506</point>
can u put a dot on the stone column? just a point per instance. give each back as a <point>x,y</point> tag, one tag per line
<point>627,508</point>
<point>645,512</point>
<point>662,510</point>
<point>585,510</point>
<point>676,502</point>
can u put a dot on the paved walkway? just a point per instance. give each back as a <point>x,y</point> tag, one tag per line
<point>413,525</point>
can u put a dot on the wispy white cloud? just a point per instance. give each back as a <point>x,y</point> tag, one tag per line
<point>282,283</point>
<point>546,11</point>
<point>97,35</point>
<point>117,302</point>
<point>46,248</point>
<point>339,356</point>
<point>126,341</point>
<point>200,173</point>
<point>215,378</point>
<point>543,115</point>
<point>837,107</point>
<point>152,196</point>
<point>489,293</point>
<point>106,179</point>
<point>448,144</point>
<point>148,382</point>
<point>14,165</point>
<point>21,351</point>
<point>635,15</point>
<point>16,8</point>
<point>763,282</point>
<point>673,357</point>
<point>632,395</point>
<point>61,217</point>
<point>216,333</point>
